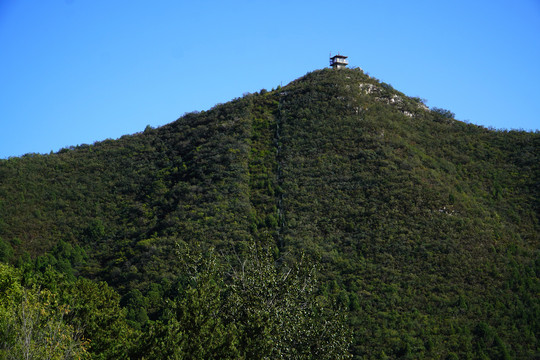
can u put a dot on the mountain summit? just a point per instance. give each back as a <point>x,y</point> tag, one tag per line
<point>424,229</point>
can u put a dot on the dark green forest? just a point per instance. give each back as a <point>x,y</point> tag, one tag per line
<point>331,218</point>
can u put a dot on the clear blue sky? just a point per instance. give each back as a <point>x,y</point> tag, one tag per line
<point>80,71</point>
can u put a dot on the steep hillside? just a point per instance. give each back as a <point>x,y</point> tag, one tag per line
<point>424,229</point>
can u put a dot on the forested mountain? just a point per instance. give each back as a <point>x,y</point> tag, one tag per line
<point>334,216</point>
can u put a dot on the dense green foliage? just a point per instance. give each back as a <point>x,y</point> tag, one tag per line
<point>424,231</point>
<point>45,316</point>
<point>248,309</point>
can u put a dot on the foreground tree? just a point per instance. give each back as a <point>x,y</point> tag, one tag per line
<point>96,313</point>
<point>32,322</point>
<point>249,308</point>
